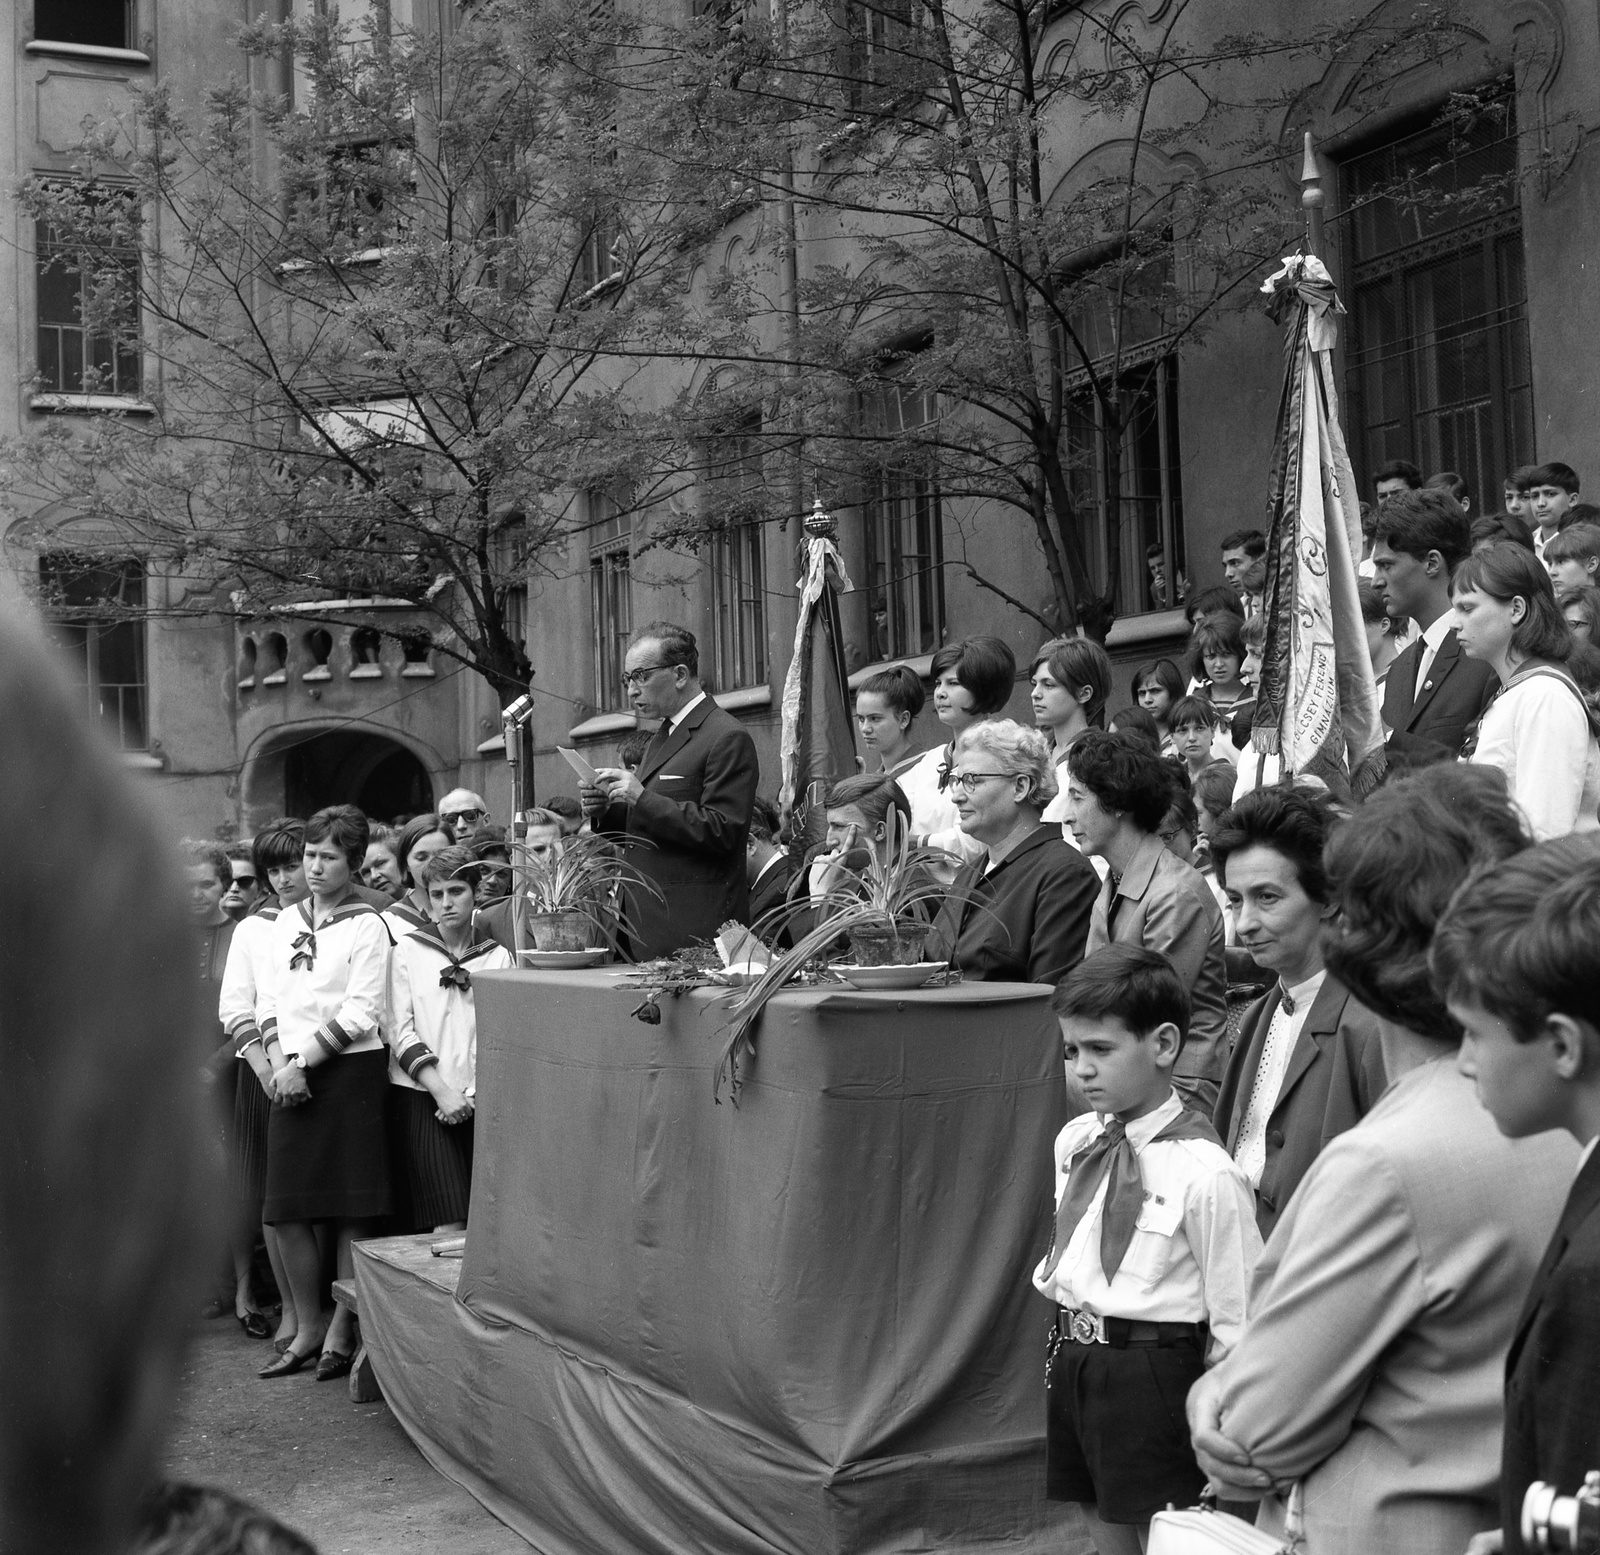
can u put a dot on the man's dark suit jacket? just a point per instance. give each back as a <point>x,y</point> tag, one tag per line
<point>1335,1074</point>
<point>686,832</point>
<point>1432,724</point>
<point>772,889</point>
<point>1552,1429</point>
<point>1027,921</point>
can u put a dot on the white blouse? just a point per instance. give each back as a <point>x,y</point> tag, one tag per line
<point>432,1020</point>
<point>334,995</point>
<point>246,971</point>
<point>1536,732</point>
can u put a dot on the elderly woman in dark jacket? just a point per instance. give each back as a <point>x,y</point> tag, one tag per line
<point>1021,913</point>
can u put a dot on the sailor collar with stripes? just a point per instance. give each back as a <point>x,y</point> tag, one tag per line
<point>304,946</point>
<point>406,913</point>
<point>434,940</point>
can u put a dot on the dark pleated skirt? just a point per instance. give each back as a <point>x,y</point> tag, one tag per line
<point>326,1159</point>
<point>251,1109</point>
<point>438,1159</point>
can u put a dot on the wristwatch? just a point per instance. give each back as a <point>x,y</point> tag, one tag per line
<point>298,1059</point>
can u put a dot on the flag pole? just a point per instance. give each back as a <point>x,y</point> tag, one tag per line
<point>1312,198</point>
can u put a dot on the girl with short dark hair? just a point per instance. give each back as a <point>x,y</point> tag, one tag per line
<point>321,1019</point>
<point>972,682</point>
<point>420,839</point>
<point>1157,688</point>
<point>433,1067</point>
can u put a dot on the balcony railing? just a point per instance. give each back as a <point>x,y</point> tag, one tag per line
<point>285,650</point>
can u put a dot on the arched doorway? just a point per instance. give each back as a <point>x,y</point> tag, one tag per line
<point>354,767</point>
<point>298,773</point>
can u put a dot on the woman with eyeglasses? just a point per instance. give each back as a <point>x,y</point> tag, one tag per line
<point>420,839</point>
<point>972,682</point>
<point>1020,912</point>
<point>1119,796</point>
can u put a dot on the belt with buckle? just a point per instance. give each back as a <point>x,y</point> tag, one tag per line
<point>1123,1333</point>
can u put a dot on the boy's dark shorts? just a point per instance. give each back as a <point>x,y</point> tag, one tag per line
<point>1116,1435</point>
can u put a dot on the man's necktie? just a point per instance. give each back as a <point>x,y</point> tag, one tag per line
<point>1112,1157</point>
<point>305,951</point>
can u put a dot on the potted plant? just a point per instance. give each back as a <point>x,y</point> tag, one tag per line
<point>885,912</point>
<point>574,895</point>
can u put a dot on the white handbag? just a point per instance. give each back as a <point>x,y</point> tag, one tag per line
<point>1203,1530</point>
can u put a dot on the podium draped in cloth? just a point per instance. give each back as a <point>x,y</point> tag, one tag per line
<point>801,1326</point>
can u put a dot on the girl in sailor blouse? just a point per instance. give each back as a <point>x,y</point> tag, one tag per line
<point>434,1040</point>
<point>321,1018</point>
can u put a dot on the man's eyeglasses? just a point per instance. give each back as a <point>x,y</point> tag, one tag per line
<point>463,817</point>
<point>239,882</point>
<point>966,782</point>
<point>639,676</point>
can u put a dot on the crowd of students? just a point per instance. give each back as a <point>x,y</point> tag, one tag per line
<point>1321,1215</point>
<point>345,1067</point>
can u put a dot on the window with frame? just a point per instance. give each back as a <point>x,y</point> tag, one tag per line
<point>95,607</point>
<point>358,196</point>
<point>903,534</point>
<point>87,304</point>
<point>103,24</point>
<point>739,564</point>
<point>511,563</point>
<point>879,58</point>
<point>1123,461</point>
<point>1439,369</point>
<point>610,597</point>
<point>598,256</point>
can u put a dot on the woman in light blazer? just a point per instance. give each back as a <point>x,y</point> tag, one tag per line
<point>1117,792</point>
<point>1371,1367</point>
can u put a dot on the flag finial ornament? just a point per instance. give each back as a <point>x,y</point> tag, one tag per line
<point>821,524</point>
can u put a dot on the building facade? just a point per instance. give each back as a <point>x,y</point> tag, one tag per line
<point>1458,353</point>
<point>232,723</point>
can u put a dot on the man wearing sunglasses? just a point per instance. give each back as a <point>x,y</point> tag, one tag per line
<point>461,812</point>
<point>685,810</point>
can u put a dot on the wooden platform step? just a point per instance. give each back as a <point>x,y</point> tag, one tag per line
<point>364,1387</point>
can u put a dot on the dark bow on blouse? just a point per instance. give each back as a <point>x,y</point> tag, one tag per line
<point>305,950</point>
<point>455,976</point>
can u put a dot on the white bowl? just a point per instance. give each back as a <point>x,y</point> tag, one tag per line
<point>888,977</point>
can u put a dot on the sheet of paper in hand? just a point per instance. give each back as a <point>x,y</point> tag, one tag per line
<point>586,773</point>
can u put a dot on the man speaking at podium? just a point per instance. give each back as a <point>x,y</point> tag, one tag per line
<point>684,812</point>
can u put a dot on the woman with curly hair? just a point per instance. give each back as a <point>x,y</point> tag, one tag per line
<point>1118,794</point>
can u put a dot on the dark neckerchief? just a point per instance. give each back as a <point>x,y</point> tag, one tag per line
<point>455,974</point>
<point>304,945</point>
<point>1111,1153</point>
